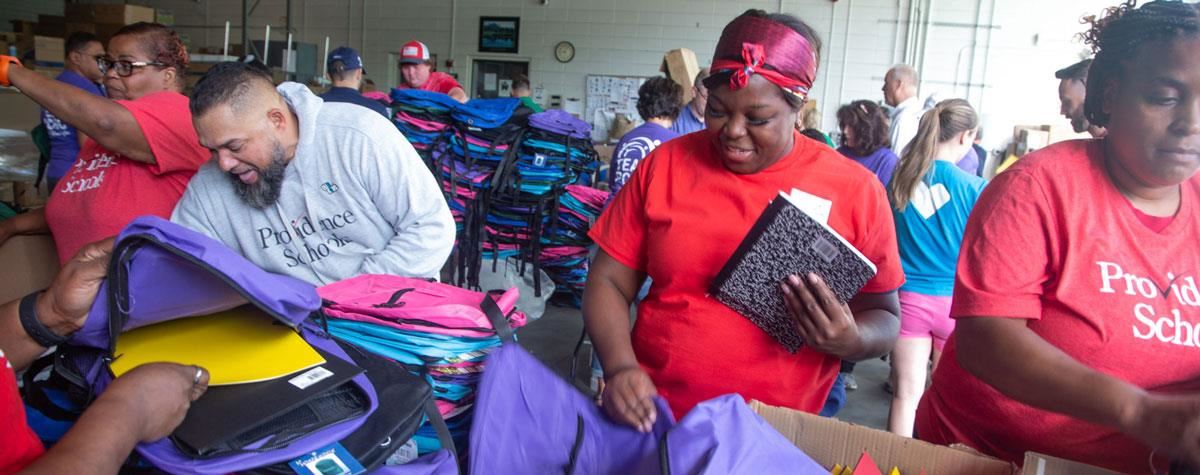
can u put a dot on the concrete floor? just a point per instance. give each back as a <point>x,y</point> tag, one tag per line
<point>552,340</point>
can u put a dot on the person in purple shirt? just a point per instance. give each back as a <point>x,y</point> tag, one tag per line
<point>968,163</point>
<point>865,138</point>
<point>658,103</point>
<point>81,70</point>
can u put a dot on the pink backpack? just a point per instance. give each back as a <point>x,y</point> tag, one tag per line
<point>418,305</point>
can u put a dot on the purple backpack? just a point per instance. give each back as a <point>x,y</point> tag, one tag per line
<point>161,271</point>
<point>531,421</point>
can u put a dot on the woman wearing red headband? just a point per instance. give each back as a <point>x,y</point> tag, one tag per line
<point>688,206</point>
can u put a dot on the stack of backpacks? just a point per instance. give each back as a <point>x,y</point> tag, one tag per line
<point>517,183</point>
<point>435,330</point>
<point>423,118</point>
<point>564,254</point>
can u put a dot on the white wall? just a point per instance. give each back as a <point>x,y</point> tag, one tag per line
<point>1000,54</point>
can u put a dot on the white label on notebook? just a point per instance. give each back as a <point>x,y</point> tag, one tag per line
<point>310,377</point>
<point>812,205</point>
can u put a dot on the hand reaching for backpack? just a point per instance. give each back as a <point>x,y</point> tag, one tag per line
<point>628,397</point>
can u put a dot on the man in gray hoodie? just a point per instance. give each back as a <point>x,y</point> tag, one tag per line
<point>317,190</point>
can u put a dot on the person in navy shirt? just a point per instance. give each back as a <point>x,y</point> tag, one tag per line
<point>346,71</point>
<point>931,199</point>
<point>80,69</point>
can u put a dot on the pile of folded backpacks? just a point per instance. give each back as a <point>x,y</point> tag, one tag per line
<point>564,255</point>
<point>549,178</point>
<point>434,330</point>
<point>484,134</point>
<point>423,117</point>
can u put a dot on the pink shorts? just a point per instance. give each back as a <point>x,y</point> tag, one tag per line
<point>925,316</point>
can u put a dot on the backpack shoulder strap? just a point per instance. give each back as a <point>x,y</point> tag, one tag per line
<point>497,319</point>
<point>439,426</point>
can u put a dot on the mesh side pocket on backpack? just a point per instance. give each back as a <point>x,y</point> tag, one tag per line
<point>339,404</point>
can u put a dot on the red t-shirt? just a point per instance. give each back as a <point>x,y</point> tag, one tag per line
<point>19,446</point>
<point>679,219</point>
<point>438,82</point>
<point>104,190</point>
<point>1053,241</point>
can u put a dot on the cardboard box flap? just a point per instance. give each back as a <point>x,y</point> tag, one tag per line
<point>1039,464</point>
<point>830,441</point>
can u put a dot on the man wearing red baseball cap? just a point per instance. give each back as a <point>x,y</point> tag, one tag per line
<point>415,68</point>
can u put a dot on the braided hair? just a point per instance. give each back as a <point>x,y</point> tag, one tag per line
<point>1118,34</point>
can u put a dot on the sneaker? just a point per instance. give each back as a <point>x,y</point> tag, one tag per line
<point>851,383</point>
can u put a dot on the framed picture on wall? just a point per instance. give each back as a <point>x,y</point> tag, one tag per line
<point>499,34</point>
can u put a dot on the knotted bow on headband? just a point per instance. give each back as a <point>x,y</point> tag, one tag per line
<point>772,50</point>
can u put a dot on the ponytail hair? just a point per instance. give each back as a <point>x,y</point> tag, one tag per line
<point>945,121</point>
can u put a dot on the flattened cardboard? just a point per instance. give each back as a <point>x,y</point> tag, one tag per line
<point>109,13</point>
<point>1039,464</point>
<point>682,67</point>
<point>27,263</point>
<point>830,442</point>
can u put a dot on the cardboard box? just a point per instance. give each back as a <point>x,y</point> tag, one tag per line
<point>51,25</point>
<point>19,112</point>
<point>604,152</point>
<point>164,16</point>
<point>830,441</point>
<point>681,66</point>
<point>116,14</point>
<point>1038,464</point>
<point>24,26</point>
<point>49,51</point>
<point>27,263</point>
<point>103,31</point>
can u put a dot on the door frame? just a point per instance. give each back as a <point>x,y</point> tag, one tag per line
<point>469,68</point>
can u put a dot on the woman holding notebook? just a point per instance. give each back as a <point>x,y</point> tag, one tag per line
<point>931,199</point>
<point>682,216</point>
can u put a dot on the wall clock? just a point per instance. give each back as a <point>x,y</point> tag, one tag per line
<point>564,52</point>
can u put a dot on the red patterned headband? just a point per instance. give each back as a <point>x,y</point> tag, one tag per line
<point>760,43</point>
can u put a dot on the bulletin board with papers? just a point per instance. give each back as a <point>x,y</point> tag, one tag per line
<point>608,96</point>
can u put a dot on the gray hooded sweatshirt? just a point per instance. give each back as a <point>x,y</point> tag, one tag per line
<point>356,199</point>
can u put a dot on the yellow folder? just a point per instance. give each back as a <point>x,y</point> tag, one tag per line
<point>243,345</point>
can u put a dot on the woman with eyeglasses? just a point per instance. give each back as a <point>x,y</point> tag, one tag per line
<point>142,151</point>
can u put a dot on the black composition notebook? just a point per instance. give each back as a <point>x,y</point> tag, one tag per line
<point>787,240</point>
<point>225,412</point>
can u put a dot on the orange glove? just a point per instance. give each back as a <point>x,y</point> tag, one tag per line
<point>4,62</point>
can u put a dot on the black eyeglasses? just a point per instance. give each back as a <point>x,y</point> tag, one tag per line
<point>122,67</point>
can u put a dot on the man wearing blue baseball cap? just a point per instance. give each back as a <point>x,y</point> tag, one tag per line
<point>346,73</point>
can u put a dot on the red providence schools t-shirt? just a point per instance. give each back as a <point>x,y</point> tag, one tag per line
<point>19,446</point>
<point>104,190</point>
<point>681,216</point>
<point>1053,241</point>
<point>438,82</point>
